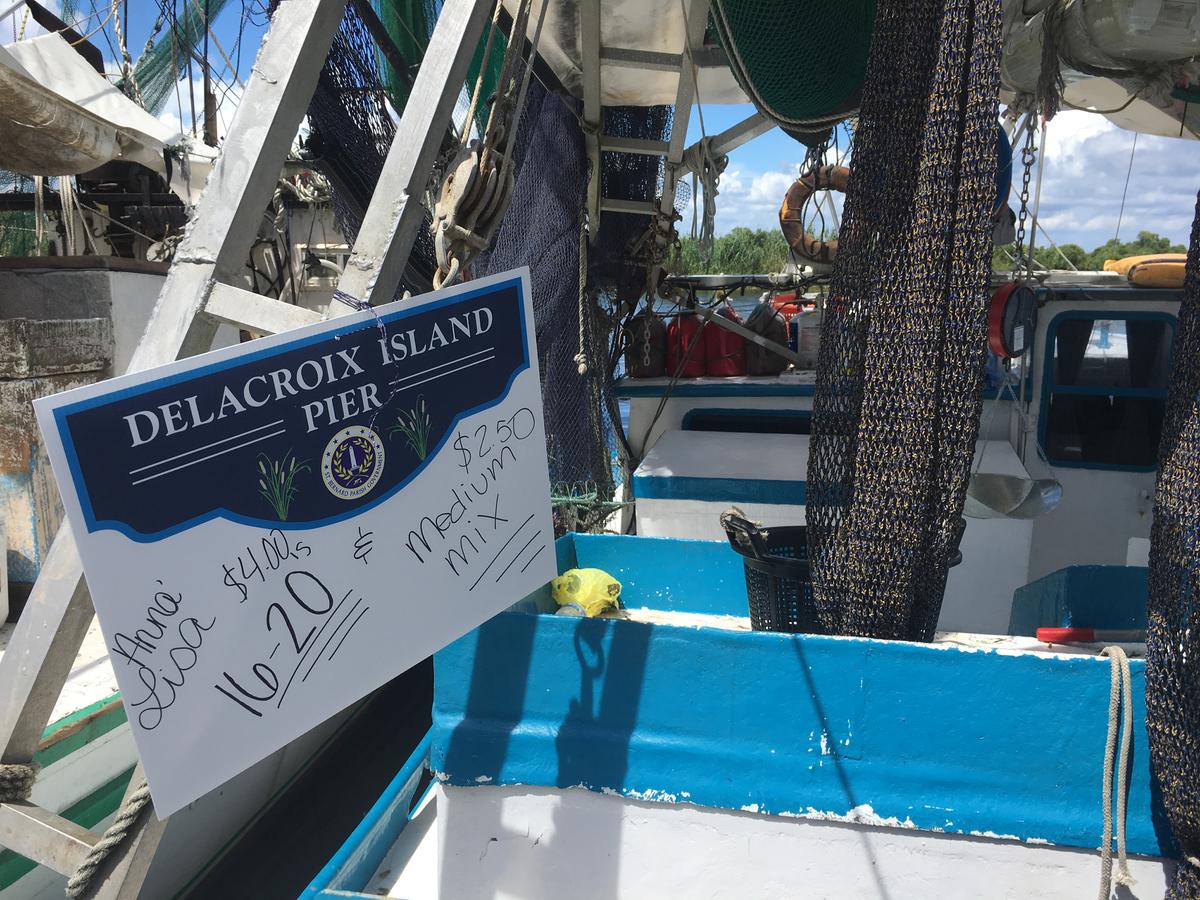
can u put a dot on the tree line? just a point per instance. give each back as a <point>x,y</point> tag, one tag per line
<point>751,251</point>
<point>1067,255</point>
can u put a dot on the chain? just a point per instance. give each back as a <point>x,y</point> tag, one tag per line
<point>1028,156</point>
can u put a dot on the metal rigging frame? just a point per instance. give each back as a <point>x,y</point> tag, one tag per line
<point>197,296</point>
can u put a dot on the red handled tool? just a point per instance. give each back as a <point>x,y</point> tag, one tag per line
<point>1089,635</point>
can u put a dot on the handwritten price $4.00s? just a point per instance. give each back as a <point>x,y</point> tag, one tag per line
<point>301,621</point>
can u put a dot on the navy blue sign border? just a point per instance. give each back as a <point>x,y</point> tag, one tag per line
<point>93,525</point>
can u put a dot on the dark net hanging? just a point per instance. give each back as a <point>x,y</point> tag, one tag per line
<point>628,176</point>
<point>350,133</point>
<point>901,366</point>
<point>1173,639</point>
<point>542,230</point>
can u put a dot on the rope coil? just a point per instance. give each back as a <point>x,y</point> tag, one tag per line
<point>16,781</point>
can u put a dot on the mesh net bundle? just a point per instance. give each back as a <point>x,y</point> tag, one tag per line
<point>409,23</point>
<point>797,69</point>
<point>18,228</point>
<point>541,229</point>
<point>1173,638</point>
<point>351,133</point>
<point>900,373</point>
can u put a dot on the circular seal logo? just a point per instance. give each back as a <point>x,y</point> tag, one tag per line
<point>353,462</point>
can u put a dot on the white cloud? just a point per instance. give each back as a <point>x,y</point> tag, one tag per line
<point>769,188</point>
<point>752,199</point>
<point>11,25</point>
<point>1086,159</point>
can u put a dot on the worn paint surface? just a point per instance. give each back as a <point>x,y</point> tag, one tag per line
<point>942,739</point>
<point>56,333</point>
<point>29,499</point>
<point>31,348</point>
<point>535,842</point>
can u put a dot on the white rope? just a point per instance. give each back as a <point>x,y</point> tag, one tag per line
<point>280,221</point>
<point>709,168</point>
<point>39,211</point>
<point>465,134</point>
<point>126,59</point>
<point>89,241</point>
<point>67,212</point>
<point>115,835</point>
<point>1120,693</point>
<point>581,359</point>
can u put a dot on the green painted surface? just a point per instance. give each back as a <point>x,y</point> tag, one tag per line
<point>88,812</point>
<point>93,808</point>
<point>94,729</point>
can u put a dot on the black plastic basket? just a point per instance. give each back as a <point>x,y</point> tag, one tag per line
<point>778,584</point>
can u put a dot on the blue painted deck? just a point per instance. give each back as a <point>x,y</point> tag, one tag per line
<point>936,738</point>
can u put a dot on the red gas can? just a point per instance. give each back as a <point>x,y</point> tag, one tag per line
<point>685,346</point>
<point>724,351</point>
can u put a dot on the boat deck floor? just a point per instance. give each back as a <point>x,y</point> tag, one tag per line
<point>409,871</point>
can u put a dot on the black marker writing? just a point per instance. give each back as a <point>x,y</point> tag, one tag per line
<point>162,674</point>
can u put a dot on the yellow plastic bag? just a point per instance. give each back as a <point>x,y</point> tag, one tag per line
<point>585,591</point>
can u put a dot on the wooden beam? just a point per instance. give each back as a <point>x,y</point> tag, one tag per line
<point>121,875</point>
<point>651,61</point>
<point>685,96</point>
<point>254,312</point>
<point>390,224</point>
<point>732,137</point>
<point>638,207</point>
<point>38,834</point>
<point>42,649</point>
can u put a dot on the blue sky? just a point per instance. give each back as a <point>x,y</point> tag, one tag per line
<point>1086,156</point>
<point>1086,161</point>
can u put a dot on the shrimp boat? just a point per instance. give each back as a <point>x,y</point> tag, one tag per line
<point>782,703</point>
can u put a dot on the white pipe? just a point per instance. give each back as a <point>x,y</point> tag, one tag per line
<point>10,10</point>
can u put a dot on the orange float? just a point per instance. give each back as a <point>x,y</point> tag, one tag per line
<point>791,213</point>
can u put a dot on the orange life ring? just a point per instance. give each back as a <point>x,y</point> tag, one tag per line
<point>822,178</point>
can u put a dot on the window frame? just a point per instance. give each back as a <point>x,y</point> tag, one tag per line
<point>1048,385</point>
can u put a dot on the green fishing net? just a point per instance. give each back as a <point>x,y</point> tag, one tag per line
<point>799,62</point>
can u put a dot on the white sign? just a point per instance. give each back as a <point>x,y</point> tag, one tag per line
<point>271,531</point>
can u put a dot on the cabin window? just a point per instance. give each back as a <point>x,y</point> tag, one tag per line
<point>1106,389</point>
<point>751,421</point>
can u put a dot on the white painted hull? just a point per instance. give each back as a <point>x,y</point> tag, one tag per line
<point>521,842</point>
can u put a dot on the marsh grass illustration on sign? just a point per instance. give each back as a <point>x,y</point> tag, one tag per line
<point>277,481</point>
<point>413,425</point>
